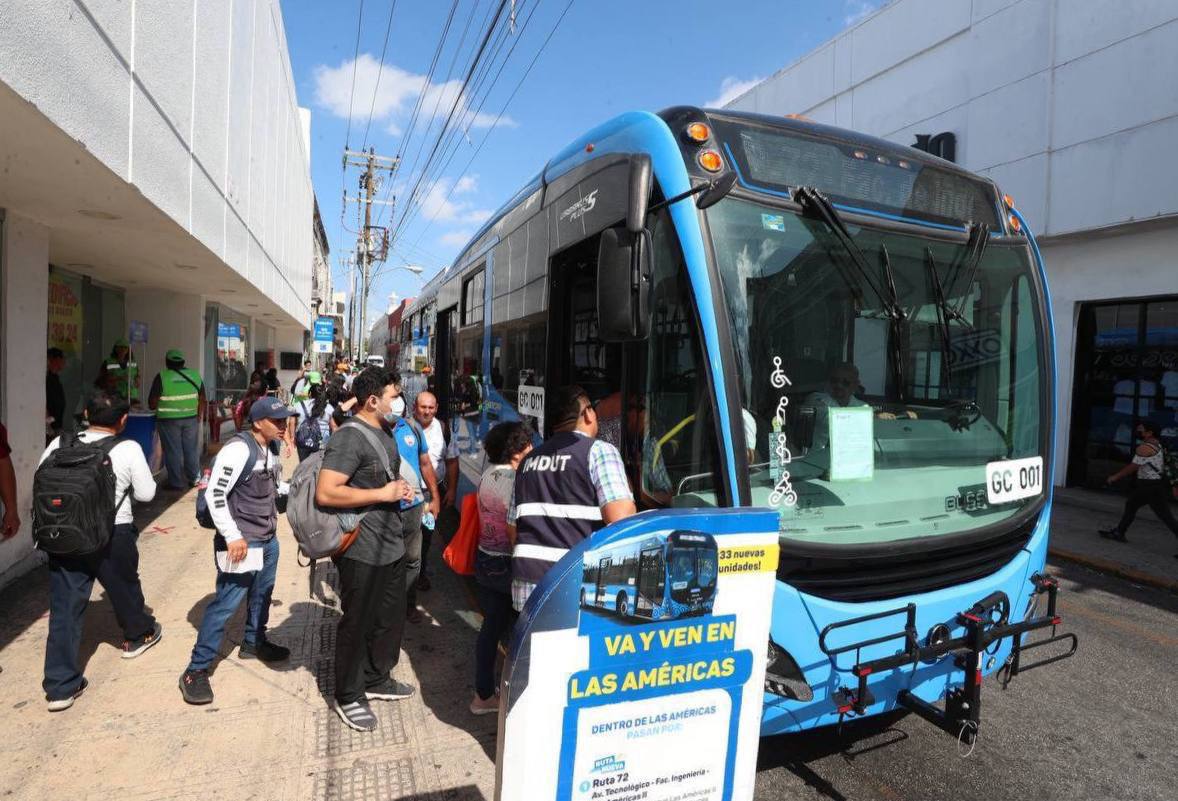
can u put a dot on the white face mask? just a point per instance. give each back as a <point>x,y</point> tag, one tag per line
<point>398,406</point>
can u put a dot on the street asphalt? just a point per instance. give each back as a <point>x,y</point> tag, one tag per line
<point>1100,725</point>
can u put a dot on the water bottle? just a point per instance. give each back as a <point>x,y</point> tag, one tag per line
<point>205,475</point>
<point>428,521</point>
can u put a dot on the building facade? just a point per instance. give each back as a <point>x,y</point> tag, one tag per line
<point>156,188</point>
<point>1072,109</point>
<point>396,317</point>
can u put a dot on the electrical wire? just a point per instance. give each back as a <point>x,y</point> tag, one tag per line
<point>379,72</point>
<point>502,110</point>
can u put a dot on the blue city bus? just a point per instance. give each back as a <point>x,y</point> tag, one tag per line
<point>661,577</point>
<point>774,314</point>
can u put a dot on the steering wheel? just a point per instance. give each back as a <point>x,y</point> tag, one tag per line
<point>962,413</point>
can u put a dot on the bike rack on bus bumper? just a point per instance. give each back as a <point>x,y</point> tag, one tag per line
<point>962,713</point>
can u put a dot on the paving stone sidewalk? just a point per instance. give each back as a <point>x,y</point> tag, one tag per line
<point>1148,557</point>
<point>270,734</point>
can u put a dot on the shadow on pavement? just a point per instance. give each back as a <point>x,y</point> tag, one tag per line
<point>26,600</point>
<point>1085,579</point>
<point>795,752</point>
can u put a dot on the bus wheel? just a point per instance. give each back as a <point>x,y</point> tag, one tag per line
<point>623,605</point>
<point>582,597</point>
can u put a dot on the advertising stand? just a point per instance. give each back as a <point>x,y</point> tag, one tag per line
<point>637,669</point>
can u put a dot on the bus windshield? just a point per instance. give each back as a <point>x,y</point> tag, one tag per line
<point>884,392</point>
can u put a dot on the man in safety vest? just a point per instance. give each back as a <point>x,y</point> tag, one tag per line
<point>120,372</point>
<point>178,396</point>
<point>566,489</point>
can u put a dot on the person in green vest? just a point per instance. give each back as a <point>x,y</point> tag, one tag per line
<point>120,372</point>
<point>178,398</point>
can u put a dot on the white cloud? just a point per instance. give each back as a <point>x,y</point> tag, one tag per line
<point>730,89</point>
<point>396,92</point>
<point>333,88</point>
<point>455,239</point>
<point>439,203</point>
<point>857,10</point>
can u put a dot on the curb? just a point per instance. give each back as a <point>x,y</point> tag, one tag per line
<point>1116,569</point>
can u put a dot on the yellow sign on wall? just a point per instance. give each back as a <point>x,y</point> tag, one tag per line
<point>65,315</point>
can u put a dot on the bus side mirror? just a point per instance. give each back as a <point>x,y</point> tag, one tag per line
<point>623,285</point>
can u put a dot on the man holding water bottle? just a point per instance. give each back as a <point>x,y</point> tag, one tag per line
<point>418,471</point>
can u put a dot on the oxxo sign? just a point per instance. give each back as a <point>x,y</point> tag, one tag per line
<point>1014,479</point>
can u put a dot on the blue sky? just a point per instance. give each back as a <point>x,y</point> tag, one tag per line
<point>606,57</point>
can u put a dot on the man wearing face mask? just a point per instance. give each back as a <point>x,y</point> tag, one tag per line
<point>245,513</point>
<point>354,476</point>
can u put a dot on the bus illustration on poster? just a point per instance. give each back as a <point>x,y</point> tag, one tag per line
<point>660,577</point>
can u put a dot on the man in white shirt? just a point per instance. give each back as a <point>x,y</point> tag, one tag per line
<point>116,566</point>
<point>443,455</point>
<point>242,497</point>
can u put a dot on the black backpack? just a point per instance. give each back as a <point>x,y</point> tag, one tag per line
<point>74,497</point>
<point>309,434</point>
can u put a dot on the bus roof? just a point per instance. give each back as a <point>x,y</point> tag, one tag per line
<point>576,151</point>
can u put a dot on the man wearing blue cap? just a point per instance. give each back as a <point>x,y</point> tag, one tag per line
<point>242,497</point>
<point>177,396</point>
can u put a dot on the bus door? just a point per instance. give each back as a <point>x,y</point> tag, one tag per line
<point>652,581</point>
<point>443,342</point>
<point>602,570</point>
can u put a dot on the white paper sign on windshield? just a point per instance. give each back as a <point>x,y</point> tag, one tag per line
<point>852,443</point>
<point>1014,479</point>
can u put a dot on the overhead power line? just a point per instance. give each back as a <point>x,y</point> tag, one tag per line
<point>379,72</point>
<point>498,117</point>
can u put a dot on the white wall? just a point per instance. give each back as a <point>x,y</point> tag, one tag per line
<point>1102,268</point>
<point>24,270</point>
<point>192,102</point>
<point>1072,107</point>
<point>174,320</point>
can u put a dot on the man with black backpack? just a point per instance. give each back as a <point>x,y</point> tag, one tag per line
<point>242,502</point>
<point>82,518</point>
<point>356,476</point>
<point>178,395</point>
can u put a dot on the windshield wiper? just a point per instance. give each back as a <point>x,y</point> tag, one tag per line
<point>945,313</point>
<point>895,324</point>
<point>815,205</point>
<point>975,248</point>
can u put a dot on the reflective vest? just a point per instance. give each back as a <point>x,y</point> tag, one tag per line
<point>555,504</point>
<point>122,375</point>
<point>179,396</point>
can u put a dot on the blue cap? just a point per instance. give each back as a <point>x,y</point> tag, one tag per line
<point>269,407</point>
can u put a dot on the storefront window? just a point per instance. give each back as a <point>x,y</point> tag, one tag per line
<point>229,333</point>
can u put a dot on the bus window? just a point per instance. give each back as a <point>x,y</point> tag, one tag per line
<point>674,414</point>
<point>579,356</point>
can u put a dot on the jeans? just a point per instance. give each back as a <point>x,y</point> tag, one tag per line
<point>498,617</point>
<point>1154,494</point>
<point>181,441</point>
<point>368,639</point>
<point>70,580</point>
<point>411,526</point>
<point>231,588</point>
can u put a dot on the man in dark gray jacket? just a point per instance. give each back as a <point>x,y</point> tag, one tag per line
<point>245,513</point>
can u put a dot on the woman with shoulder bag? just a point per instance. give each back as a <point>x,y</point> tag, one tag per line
<point>506,445</point>
<point>1152,488</point>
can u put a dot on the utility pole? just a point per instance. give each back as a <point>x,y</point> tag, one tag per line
<point>369,184</point>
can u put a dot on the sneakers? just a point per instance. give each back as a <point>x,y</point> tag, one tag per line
<point>60,704</point>
<point>355,715</point>
<point>1112,534</point>
<point>195,687</point>
<point>133,648</point>
<point>484,706</point>
<point>389,690</point>
<point>264,651</point>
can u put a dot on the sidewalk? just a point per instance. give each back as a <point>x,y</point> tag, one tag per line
<point>1148,557</point>
<point>270,735</point>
